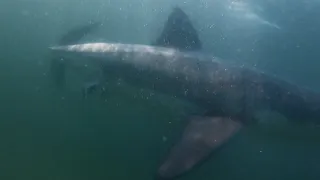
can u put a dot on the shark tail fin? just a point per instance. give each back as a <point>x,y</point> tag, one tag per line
<point>58,63</point>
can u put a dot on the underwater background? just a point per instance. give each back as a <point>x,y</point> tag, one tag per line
<point>51,135</point>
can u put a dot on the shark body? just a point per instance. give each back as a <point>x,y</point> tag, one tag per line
<point>230,94</point>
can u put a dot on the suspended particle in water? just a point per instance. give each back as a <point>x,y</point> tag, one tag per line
<point>164,138</point>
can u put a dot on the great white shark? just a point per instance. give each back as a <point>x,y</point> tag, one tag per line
<point>231,94</point>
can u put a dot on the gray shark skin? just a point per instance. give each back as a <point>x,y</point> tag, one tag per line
<point>230,94</point>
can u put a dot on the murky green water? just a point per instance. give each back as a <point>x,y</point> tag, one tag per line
<point>48,135</point>
<point>49,138</point>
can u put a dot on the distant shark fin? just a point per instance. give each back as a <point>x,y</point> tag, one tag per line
<point>201,136</point>
<point>179,33</point>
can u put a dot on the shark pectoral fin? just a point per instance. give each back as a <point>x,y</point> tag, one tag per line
<point>201,136</point>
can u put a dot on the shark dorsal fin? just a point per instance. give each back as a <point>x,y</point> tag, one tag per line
<point>179,33</point>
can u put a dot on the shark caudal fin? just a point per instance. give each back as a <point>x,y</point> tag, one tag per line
<point>201,136</point>
<point>58,64</point>
<point>179,33</point>
<point>76,34</point>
